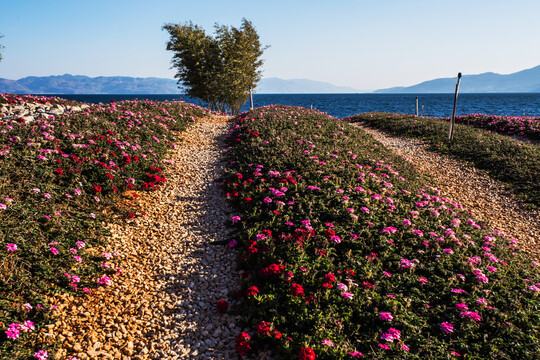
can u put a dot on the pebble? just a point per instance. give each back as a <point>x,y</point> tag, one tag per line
<point>162,306</point>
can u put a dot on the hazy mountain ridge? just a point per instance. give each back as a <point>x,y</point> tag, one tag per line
<point>80,84</point>
<point>525,81</point>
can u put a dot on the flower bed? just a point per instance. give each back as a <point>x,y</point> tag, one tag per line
<point>60,179</point>
<point>527,127</point>
<point>514,162</point>
<point>347,252</point>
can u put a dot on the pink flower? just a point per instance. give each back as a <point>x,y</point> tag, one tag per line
<point>267,200</point>
<point>232,243</point>
<point>342,287</point>
<point>423,280</point>
<point>447,327</point>
<point>406,222</point>
<point>41,355</point>
<point>54,250</point>
<point>235,219</point>
<point>80,244</point>
<point>386,273</point>
<point>471,315</point>
<point>347,295</point>
<point>462,306</point>
<point>356,354</point>
<point>27,326</point>
<point>481,301</point>
<point>105,280</point>
<point>364,209</point>
<point>448,251</point>
<point>13,331</point>
<point>386,316</point>
<point>389,230</point>
<point>27,306</point>
<point>454,353</point>
<point>384,346</point>
<point>458,291</point>
<point>12,247</point>
<point>482,279</point>
<point>327,342</point>
<point>405,348</point>
<point>534,288</point>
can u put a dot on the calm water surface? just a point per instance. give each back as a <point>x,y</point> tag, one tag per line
<point>343,105</point>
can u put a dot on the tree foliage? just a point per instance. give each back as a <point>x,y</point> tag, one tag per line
<point>219,70</point>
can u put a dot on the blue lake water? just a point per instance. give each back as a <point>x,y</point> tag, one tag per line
<point>343,105</point>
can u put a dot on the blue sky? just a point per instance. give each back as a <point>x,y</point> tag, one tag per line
<point>364,44</point>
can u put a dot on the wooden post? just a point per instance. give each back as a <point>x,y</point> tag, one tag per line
<point>422,110</point>
<point>416,109</point>
<point>251,99</point>
<point>453,118</point>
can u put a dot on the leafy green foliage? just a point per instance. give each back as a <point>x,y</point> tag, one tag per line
<point>347,250</point>
<point>219,70</point>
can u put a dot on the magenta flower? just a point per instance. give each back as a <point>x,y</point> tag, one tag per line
<point>235,219</point>
<point>105,280</point>
<point>423,280</point>
<point>347,295</point>
<point>356,354</point>
<point>384,346</point>
<point>54,250</point>
<point>447,327</point>
<point>13,331</point>
<point>482,279</point>
<point>406,222</point>
<point>389,230</point>
<point>364,209</point>
<point>471,315</point>
<point>462,306</point>
<point>41,355</point>
<point>12,247</point>
<point>386,316</point>
<point>448,251</point>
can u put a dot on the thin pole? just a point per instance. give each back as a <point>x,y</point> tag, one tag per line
<point>416,110</point>
<point>453,118</point>
<point>251,99</point>
<point>422,110</point>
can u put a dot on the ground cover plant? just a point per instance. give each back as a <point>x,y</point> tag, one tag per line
<point>348,253</point>
<point>526,127</point>
<point>515,162</point>
<point>60,179</point>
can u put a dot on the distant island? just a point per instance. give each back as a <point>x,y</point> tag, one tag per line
<point>80,84</point>
<point>525,81</point>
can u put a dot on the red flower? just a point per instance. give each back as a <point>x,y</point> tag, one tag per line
<point>59,171</point>
<point>297,290</point>
<point>306,353</point>
<point>329,233</point>
<point>239,176</point>
<point>366,284</point>
<point>252,290</point>
<point>263,328</point>
<point>247,200</point>
<point>222,306</point>
<point>255,134</point>
<point>127,159</point>
<point>276,334</point>
<point>242,343</point>
<point>97,188</point>
<point>110,176</point>
<point>329,278</point>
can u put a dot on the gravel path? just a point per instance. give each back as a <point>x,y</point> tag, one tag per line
<point>163,304</point>
<point>486,198</point>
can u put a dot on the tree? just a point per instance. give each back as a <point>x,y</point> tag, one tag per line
<point>219,70</point>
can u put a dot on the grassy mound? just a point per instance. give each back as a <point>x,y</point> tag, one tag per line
<point>347,252</point>
<point>60,179</point>
<point>514,162</point>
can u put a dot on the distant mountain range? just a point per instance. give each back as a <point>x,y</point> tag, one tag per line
<point>525,81</point>
<point>300,86</point>
<point>79,84</point>
<point>519,82</point>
